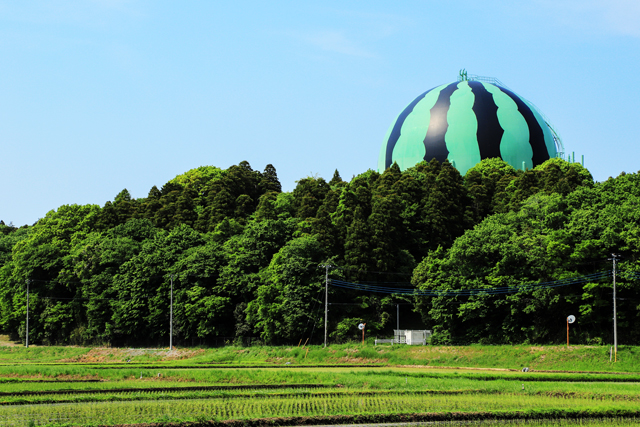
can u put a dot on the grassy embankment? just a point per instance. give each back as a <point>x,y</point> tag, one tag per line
<point>573,358</point>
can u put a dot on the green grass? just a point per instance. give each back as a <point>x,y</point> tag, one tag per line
<point>574,358</point>
<point>39,354</point>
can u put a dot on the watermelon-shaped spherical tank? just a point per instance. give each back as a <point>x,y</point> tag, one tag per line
<point>466,122</point>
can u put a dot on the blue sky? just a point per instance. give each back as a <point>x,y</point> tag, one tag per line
<point>103,95</point>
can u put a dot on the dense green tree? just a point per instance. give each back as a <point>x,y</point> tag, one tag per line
<point>336,180</point>
<point>323,227</point>
<point>287,306</point>
<point>447,210</point>
<point>150,205</point>
<point>414,188</point>
<point>549,237</point>
<point>9,239</point>
<point>44,259</point>
<point>244,256</point>
<point>202,307</point>
<point>270,181</point>
<point>350,230</point>
<point>185,209</point>
<point>97,260</point>
<point>125,206</point>
<point>357,246</point>
<point>199,178</point>
<point>559,176</point>
<point>164,216</point>
<point>235,195</point>
<point>504,250</point>
<point>266,206</point>
<point>244,207</point>
<point>308,196</point>
<point>142,288</point>
<point>388,234</point>
<point>484,181</point>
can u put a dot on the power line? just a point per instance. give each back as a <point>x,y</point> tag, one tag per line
<point>469,292</point>
<point>359,270</point>
<point>591,261</point>
<point>390,288</point>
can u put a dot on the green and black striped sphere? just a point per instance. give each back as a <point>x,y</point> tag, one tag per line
<point>466,122</point>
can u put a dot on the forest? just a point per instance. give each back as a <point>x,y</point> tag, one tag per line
<point>247,261</point>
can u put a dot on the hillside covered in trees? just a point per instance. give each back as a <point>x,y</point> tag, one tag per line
<point>246,258</point>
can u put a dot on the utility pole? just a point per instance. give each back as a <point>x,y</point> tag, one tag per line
<point>614,258</point>
<point>171,318</point>
<point>326,299</point>
<point>615,316</point>
<point>27,339</point>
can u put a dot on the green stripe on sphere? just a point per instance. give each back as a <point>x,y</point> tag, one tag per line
<point>548,137</point>
<point>461,139</point>
<point>514,146</point>
<point>408,151</point>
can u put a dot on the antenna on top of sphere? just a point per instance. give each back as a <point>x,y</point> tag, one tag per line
<point>464,76</point>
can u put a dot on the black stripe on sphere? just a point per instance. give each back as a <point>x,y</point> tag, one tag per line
<point>397,126</point>
<point>489,131</point>
<point>536,134</point>
<point>434,143</point>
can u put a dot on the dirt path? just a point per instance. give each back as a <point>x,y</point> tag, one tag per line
<point>6,342</point>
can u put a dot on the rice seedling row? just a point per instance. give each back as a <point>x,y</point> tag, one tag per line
<point>213,393</point>
<point>25,380</point>
<point>391,420</point>
<point>494,376</point>
<point>382,381</point>
<point>310,405</point>
<point>376,378</point>
<point>169,389</point>
<point>199,366</point>
<point>162,394</point>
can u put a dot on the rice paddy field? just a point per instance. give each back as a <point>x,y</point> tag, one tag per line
<point>339,385</point>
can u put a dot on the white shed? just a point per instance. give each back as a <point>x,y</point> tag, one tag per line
<point>411,337</point>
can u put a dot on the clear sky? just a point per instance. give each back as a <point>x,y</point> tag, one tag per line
<point>98,96</point>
